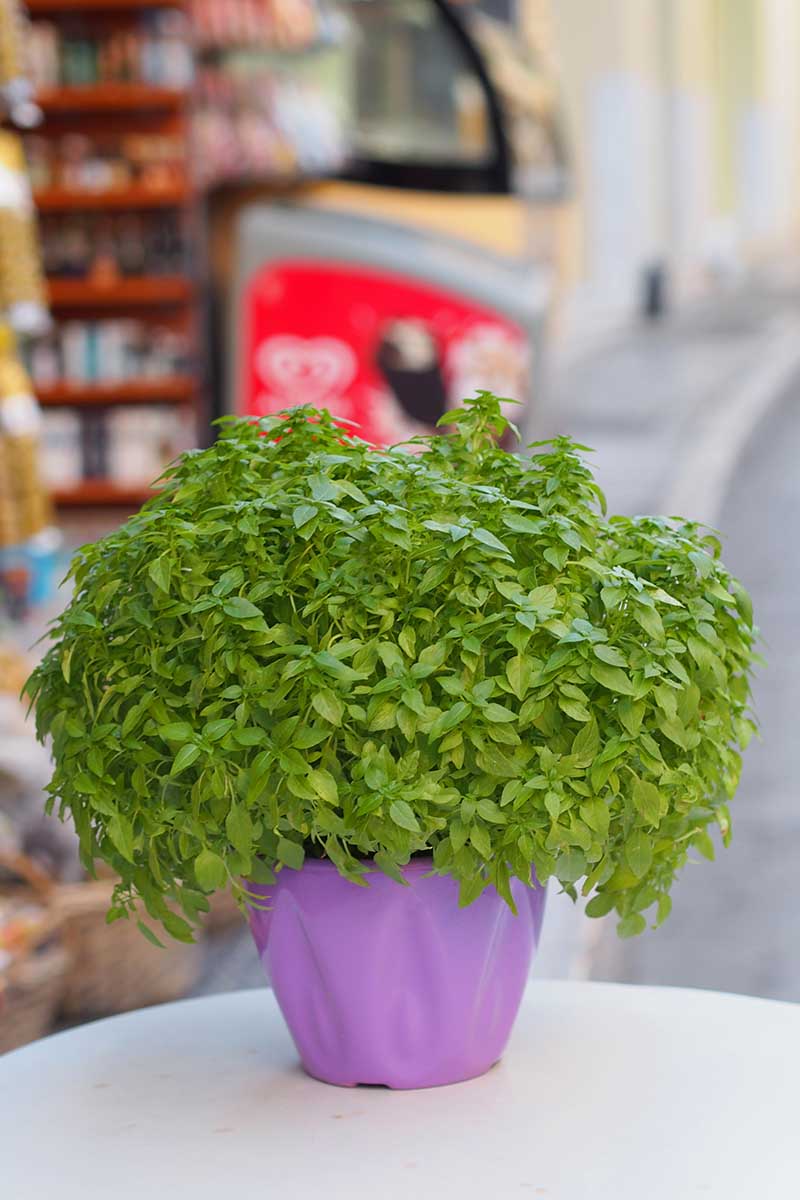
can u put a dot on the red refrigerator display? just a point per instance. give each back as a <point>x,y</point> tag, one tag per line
<point>385,326</point>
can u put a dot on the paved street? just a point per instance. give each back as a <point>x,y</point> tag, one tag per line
<point>693,418</point>
<point>735,924</point>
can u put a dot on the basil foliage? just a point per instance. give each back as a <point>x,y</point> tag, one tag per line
<point>304,645</point>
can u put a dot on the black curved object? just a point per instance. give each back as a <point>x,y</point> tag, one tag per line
<point>493,178</point>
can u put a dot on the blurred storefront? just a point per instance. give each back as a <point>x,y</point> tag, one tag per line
<point>425,239</point>
<point>149,129</point>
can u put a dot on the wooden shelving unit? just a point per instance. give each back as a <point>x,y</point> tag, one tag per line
<point>140,291</point>
<point>101,491</point>
<point>105,111</point>
<point>51,8</point>
<point>109,98</point>
<point>172,390</point>
<point>58,199</point>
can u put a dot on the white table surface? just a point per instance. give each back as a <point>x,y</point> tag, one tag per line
<point>606,1092</point>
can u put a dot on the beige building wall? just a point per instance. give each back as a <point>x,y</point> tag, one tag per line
<point>684,120</point>
<point>687,32</point>
<point>611,59</point>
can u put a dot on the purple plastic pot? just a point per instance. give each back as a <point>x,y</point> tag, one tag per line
<point>395,985</point>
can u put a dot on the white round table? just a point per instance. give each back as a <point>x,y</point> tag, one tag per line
<point>606,1092</point>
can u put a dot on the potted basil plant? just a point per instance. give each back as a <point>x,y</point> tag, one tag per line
<point>386,696</point>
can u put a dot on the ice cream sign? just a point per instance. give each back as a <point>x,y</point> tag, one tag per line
<point>386,353</point>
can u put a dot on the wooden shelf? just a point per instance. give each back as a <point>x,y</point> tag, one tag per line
<point>58,199</point>
<point>101,491</point>
<point>109,97</point>
<point>143,291</point>
<point>175,389</point>
<point>42,8</point>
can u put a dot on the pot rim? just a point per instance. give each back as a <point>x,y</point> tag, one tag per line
<point>416,866</point>
<point>326,864</point>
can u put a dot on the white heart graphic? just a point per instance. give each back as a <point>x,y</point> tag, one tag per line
<point>305,370</point>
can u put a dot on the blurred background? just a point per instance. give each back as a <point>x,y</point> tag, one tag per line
<point>376,206</point>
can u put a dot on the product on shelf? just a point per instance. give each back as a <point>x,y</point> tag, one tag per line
<point>280,24</point>
<point>103,246</point>
<point>62,460</point>
<point>261,121</point>
<point>157,51</point>
<point>259,111</point>
<point>107,352</point>
<point>141,442</point>
<point>78,162</point>
<point>128,445</point>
